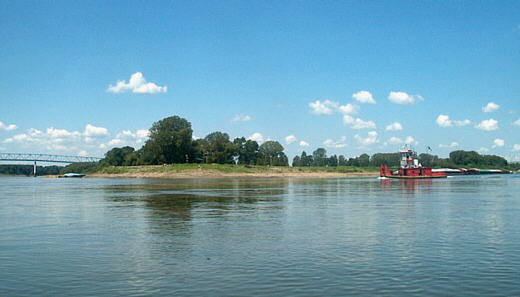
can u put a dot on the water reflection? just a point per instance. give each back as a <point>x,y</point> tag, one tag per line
<point>260,237</point>
<point>171,206</point>
<point>407,186</point>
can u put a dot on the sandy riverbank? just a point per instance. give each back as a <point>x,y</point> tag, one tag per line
<point>235,172</point>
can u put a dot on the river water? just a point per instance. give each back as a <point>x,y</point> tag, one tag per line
<point>269,237</point>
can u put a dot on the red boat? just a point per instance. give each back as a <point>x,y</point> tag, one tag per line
<point>410,168</point>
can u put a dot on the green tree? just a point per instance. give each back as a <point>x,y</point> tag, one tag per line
<point>390,159</point>
<point>218,148</point>
<point>364,160</point>
<point>428,159</point>
<point>320,157</point>
<point>120,156</point>
<point>197,151</point>
<point>306,160</point>
<point>332,161</point>
<point>342,161</point>
<point>296,161</point>
<point>246,150</point>
<point>170,141</point>
<point>80,168</point>
<point>271,153</point>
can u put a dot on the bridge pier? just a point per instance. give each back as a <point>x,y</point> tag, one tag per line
<point>34,169</point>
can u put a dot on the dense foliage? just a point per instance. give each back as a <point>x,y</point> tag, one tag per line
<point>80,168</point>
<point>319,158</point>
<point>171,142</point>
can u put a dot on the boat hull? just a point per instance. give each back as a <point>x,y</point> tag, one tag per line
<point>414,177</point>
<point>422,172</point>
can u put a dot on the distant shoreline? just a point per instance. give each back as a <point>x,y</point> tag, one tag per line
<point>230,171</point>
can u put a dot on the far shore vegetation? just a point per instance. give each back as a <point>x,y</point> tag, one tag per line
<point>171,148</point>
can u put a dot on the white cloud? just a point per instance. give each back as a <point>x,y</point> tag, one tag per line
<point>364,97</point>
<point>92,141</point>
<point>357,123</point>
<point>326,107</point>
<point>517,123</point>
<point>137,84</point>
<point>370,139</point>
<point>453,144</point>
<point>403,98</point>
<point>258,137</point>
<point>52,139</point>
<point>490,107</point>
<point>516,147</point>
<point>444,121</point>
<point>462,123</point>
<point>142,133</point>
<point>115,142</point>
<point>348,109</point>
<point>304,143</point>
<point>483,150</point>
<point>129,138</point>
<point>410,140</point>
<point>395,140</point>
<point>488,125</point>
<point>82,153</point>
<point>93,131</point>
<point>242,118</point>
<point>335,144</point>
<point>290,139</point>
<point>394,127</point>
<point>7,127</point>
<point>498,143</point>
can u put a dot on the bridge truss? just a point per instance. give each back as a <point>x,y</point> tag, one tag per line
<point>46,158</point>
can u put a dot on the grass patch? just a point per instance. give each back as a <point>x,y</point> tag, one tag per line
<point>230,168</point>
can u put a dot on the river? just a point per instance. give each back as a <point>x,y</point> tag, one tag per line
<point>269,237</point>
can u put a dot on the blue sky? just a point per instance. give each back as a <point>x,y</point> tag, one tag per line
<point>284,70</point>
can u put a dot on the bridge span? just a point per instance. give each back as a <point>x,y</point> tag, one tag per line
<point>28,157</point>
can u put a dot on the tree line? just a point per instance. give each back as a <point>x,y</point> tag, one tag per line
<point>468,159</point>
<point>171,141</point>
